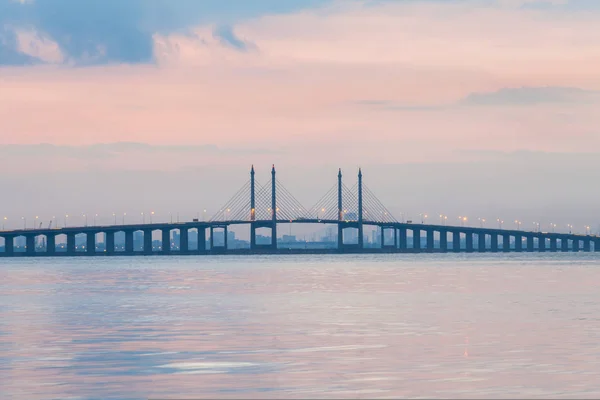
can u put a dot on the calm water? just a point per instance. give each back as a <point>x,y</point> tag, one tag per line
<point>301,327</point>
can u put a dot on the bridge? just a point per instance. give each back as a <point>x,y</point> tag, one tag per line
<point>266,206</point>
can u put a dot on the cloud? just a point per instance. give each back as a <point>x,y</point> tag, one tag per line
<point>116,31</point>
<point>532,96</point>
<point>300,89</point>
<point>40,46</point>
<point>110,150</point>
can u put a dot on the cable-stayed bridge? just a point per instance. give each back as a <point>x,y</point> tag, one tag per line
<point>265,206</point>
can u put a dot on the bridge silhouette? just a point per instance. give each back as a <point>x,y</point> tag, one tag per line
<point>266,206</point>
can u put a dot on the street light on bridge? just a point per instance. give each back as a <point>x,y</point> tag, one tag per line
<point>462,220</point>
<point>124,215</point>
<point>570,228</point>
<point>24,223</point>
<point>588,230</point>
<point>518,223</point>
<point>3,222</point>
<point>423,217</point>
<point>500,222</point>
<point>66,219</point>
<point>151,214</point>
<point>553,226</point>
<point>481,222</point>
<point>143,218</point>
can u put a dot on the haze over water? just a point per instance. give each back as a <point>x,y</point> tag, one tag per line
<point>494,326</point>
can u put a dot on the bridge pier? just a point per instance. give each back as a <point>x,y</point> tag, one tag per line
<point>444,240</point>
<point>129,242</point>
<point>184,246</point>
<point>166,240</point>
<point>416,239</point>
<point>430,240</point>
<point>9,245</point>
<point>494,242</point>
<point>455,241</point>
<point>481,242</point>
<point>110,242</point>
<point>403,238</point>
<point>576,246</point>
<point>596,245</point>
<point>530,243</point>
<point>148,242</point>
<point>50,244</point>
<point>202,240</point>
<point>541,243</point>
<point>469,242</point>
<point>30,245</point>
<point>90,246</point>
<point>506,242</point>
<point>518,243</point>
<point>553,245</point>
<point>564,244</point>
<point>71,244</point>
<point>587,245</point>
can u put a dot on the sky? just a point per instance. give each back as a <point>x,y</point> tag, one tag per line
<point>484,108</point>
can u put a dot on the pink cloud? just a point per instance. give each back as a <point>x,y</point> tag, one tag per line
<point>300,85</point>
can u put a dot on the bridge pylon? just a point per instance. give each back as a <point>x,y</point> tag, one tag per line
<point>360,211</point>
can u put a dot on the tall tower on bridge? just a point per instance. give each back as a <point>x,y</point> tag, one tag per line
<point>360,210</point>
<point>252,209</point>
<point>273,209</point>
<point>340,212</point>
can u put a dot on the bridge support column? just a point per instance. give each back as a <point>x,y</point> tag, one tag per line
<point>564,244</point>
<point>148,241</point>
<point>530,243</point>
<point>30,244</point>
<point>9,245</point>
<point>469,242</point>
<point>71,244</point>
<point>505,242</point>
<point>541,243</point>
<point>183,240</point>
<point>444,240</point>
<point>252,236</point>
<point>90,245</point>
<point>481,242</point>
<point>430,240</point>
<point>416,239</point>
<point>202,240</point>
<point>576,244</point>
<point>494,242</point>
<point>553,244</point>
<point>587,245</point>
<point>109,243</point>
<point>403,238</point>
<point>519,243</point>
<point>166,240</point>
<point>50,243</point>
<point>225,234</point>
<point>596,245</point>
<point>382,236</point>
<point>455,241</point>
<point>128,242</point>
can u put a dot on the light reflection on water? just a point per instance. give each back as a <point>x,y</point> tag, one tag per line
<point>383,326</point>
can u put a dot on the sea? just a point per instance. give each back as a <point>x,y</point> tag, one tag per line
<point>301,326</point>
